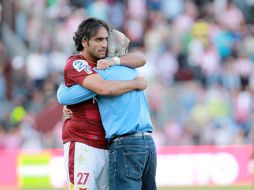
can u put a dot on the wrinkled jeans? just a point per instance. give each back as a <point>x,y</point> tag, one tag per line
<point>132,164</point>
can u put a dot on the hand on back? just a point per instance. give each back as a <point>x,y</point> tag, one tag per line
<point>142,83</point>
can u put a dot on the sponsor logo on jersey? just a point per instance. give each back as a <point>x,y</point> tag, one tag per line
<point>80,65</point>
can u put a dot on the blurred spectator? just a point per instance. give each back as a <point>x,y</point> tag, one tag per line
<point>167,66</point>
<point>98,9</point>
<point>2,84</point>
<point>116,16</point>
<point>231,17</point>
<point>37,67</point>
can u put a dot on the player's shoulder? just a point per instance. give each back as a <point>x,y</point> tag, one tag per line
<point>74,58</point>
<point>76,61</point>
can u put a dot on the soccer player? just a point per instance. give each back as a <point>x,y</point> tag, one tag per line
<point>85,147</point>
<point>128,127</point>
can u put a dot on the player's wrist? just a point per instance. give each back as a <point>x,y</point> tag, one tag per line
<point>116,60</point>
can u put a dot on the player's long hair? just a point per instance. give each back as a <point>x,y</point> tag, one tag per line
<point>86,30</point>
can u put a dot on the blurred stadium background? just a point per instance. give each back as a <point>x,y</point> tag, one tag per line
<point>200,69</point>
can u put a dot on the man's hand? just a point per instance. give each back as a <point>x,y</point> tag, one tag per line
<point>67,113</point>
<point>142,83</point>
<point>103,64</point>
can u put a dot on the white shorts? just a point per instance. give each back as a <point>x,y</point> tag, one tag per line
<point>86,167</point>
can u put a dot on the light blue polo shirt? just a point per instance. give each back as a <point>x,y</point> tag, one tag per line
<point>120,115</point>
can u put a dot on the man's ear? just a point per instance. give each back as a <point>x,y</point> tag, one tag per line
<point>84,43</point>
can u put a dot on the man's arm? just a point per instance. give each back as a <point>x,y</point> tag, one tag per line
<point>103,87</point>
<point>133,60</point>
<point>93,85</point>
<point>76,93</point>
<point>73,95</point>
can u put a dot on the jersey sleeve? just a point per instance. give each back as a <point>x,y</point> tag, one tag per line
<point>73,95</point>
<point>76,71</point>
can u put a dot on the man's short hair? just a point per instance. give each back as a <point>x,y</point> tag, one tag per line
<point>118,43</point>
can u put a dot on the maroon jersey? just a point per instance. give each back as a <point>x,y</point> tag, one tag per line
<point>85,126</point>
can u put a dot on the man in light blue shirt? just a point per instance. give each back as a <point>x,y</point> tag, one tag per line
<point>128,128</point>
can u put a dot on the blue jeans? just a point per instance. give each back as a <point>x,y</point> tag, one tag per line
<point>132,164</point>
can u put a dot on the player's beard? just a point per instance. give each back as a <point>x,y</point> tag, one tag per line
<point>101,54</point>
<point>96,55</point>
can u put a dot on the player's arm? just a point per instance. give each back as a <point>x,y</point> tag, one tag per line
<point>133,60</point>
<point>77,93</point>
<point>80,72</point>
<point>102,87</point>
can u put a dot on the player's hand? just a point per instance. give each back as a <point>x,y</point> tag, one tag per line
<point>103,64</point>
<point>67,113</point>
<point>141,83</point>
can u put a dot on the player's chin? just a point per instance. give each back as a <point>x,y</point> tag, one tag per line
<point>101,55</point>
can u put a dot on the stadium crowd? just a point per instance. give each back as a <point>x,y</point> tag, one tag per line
<point>200,65</point>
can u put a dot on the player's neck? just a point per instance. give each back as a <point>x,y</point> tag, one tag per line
<point>88,57</point>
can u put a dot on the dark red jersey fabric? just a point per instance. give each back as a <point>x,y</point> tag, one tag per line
<point>85,126</point>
